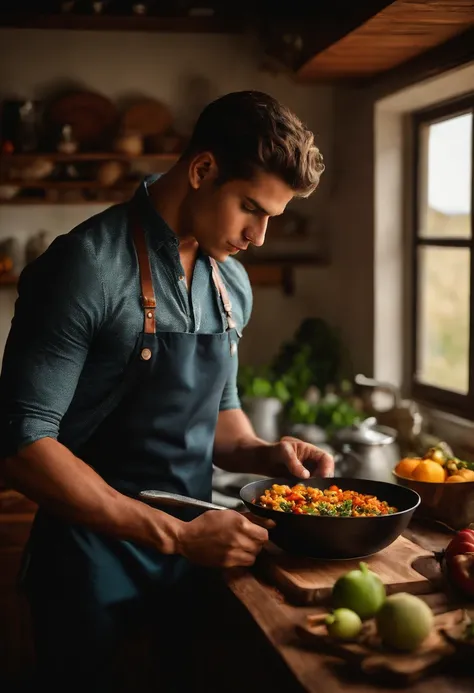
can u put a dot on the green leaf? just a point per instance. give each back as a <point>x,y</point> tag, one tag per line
<point>281,391</point>
<point>262,388</point>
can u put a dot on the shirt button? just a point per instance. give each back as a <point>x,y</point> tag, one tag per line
<point>146,354</point>
<point>181,277</point>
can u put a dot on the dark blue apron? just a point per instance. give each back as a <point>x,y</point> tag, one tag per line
<point>87,590</point>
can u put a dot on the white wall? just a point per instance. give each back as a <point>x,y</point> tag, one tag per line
<point>185,71</point>
<point>372,229</point>
<point>352,224</point>
<point>393,233</point>
<point>369,207</point>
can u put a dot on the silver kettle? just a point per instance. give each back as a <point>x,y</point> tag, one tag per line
<point>366,451</point>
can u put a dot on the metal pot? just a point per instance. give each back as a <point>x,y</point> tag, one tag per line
<point>402,414</point>
<point>264,414</point>
<point>310,433</point>
<point>366,451</point>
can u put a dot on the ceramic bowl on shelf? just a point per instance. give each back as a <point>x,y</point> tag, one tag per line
<point>129,143</point>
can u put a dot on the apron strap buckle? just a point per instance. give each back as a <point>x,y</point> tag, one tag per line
<point>148,302</point>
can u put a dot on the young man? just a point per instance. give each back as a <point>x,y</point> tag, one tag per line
<point>119,375</point>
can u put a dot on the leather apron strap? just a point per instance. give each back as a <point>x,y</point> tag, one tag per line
<point>147,294</point>
<point>221,288</point>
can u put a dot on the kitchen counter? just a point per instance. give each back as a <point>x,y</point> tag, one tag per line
<point>286,664</point>
<point>241,637</point>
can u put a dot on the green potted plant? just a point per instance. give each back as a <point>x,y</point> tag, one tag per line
<point>317,417</point>
<point>263,397</point>
<point>302,391</point>
<point>313,358</point>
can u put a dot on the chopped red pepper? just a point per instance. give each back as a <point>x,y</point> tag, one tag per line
<point>294,497</point>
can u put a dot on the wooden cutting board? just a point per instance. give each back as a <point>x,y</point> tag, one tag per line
<point>403,566</point>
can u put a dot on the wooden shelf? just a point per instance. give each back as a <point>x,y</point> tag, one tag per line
<point>122,189</point>
<point>20,158</point>
<point>271,273</point>
<point>8,280</point>
<point>263,272</point>
<point>70,184</point>
<point>105,22</point>
<point>118,193</point>
<point>22,201</point>
<point>268,273</point>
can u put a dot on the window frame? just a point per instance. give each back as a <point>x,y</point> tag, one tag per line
<point>445,400</point>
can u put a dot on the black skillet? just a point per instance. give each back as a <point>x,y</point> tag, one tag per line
<point>316,536</point>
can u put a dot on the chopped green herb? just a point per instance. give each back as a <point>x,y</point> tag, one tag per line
<point>326,509</point>
<point>345,508</point>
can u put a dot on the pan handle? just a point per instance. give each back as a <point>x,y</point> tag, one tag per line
<point>175,500</point>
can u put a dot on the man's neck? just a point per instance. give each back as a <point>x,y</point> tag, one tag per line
<point>167,196</point>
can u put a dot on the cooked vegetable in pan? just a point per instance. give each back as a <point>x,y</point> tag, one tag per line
<point>334,502</point>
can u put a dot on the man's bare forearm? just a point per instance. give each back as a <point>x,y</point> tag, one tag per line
<point>50,475</point>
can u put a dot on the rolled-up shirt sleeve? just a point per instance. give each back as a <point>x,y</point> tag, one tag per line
<point>230,397</point>
<point>58,312</point>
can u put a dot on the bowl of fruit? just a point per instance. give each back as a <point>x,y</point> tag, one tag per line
<point>445,484</point>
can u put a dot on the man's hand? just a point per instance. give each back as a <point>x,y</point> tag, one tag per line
<point>293,453</point>
<point>221,539</point>
<point>238,449</point>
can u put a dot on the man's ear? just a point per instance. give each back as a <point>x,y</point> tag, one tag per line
<point>203,168</point>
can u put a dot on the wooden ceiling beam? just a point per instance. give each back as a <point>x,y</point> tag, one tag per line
<point>450,55</point>
<point>294,37</point>
<point>395,35</point>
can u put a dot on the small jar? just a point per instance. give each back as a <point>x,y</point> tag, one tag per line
<point>67,144</point>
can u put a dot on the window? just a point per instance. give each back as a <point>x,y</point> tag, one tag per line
<point>443,324</point>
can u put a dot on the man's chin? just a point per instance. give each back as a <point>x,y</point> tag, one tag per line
<point>220,255</point>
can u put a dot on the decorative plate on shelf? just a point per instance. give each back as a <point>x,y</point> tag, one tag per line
<point>147,117</point>
<point>92,117</point>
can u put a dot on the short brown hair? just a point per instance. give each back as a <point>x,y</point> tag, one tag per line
<point>248,131</point>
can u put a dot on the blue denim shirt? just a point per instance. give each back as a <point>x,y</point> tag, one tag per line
<point>78,316</point>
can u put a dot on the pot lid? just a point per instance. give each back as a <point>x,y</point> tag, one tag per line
<point>366,433</point>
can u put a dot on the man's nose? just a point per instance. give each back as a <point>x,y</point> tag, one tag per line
<point>256,234</point>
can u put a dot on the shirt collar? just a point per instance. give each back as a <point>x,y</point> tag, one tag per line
<point>157,229</point>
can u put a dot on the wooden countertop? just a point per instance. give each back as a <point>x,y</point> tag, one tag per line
<point>315,672</point>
